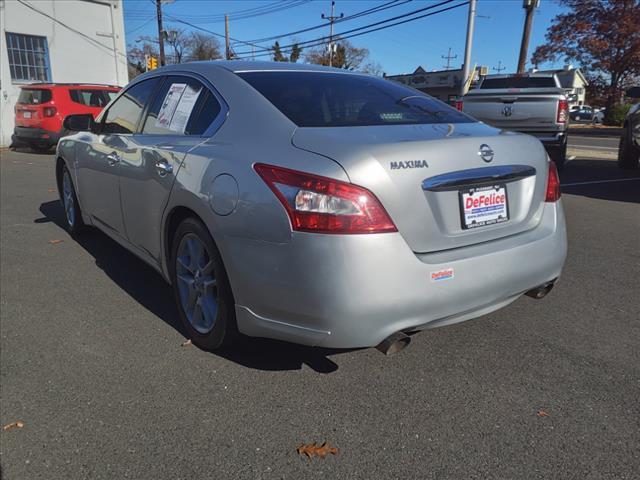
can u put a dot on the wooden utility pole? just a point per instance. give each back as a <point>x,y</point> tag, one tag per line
<point>448,57</point>
<point>160,31</point>
<point>529,6</point>
<point>331,19</point>
<point>227,44</point>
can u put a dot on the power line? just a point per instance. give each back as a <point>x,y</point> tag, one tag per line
<point>144,24</point>
<point>344,37</point>
<point>202,29</point>
<point>253,43</point>
<point>254,14</point>
<point>238,15</point>
<point>134,11</point>
<point>369,11</point>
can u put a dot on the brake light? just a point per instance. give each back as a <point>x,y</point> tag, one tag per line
<point>563,111</point>
<point>324,205</point>
<point>49,111</point>
<point>458,105</point>
<point>553,184</point>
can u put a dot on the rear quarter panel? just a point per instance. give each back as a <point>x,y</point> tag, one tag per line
<point>253,132</point>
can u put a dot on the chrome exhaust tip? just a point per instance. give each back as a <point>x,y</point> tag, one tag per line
<point>394,343</point>
<point>541,291</point>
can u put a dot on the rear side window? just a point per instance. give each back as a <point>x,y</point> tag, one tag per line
<point>183,106</point>
<point>33,96</point>
<point>518,82</point>
<point>92,98</point>
<point>318,99</point>
<point>123,116</point>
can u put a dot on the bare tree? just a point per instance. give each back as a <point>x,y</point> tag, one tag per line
<point>179,41</point>
<point>372,68</point>
<point>177,38</point>
<point>136,57</point>
<point>345,55</point>
<point>203,47</point>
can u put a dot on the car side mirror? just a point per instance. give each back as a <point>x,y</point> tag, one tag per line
<point>80,123</point>
<point>633,92</point>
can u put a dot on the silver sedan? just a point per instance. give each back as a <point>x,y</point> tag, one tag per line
<point>314,205</point>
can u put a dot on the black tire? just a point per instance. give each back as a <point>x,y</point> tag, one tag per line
<point>72,216</point>
<point>224,331</point>
<point>558,155</point>
<point>628,155</point>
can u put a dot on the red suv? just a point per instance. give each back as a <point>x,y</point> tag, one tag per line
<point>42,107</point>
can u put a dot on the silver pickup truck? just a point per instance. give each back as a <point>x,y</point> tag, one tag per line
<point>533,103</point>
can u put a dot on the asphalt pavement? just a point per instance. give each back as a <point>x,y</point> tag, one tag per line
<point>596,143</point>
<point>92,363</point>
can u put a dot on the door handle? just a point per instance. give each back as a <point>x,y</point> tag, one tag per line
<point>113,159</point>
<point>163,167</point>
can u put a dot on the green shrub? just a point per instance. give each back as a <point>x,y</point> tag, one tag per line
<point>615,115</point>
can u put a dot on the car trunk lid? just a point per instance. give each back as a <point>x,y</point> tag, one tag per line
<point>422,173</point>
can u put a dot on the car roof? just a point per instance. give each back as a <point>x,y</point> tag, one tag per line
<point>238,66</point>
<point>213,67</point>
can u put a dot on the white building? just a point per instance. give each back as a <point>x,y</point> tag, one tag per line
<point>61,41</point>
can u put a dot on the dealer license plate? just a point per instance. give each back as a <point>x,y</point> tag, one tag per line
<point>483,206</point>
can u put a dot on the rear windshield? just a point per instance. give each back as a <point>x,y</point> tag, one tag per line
<point>519,82</point>
<point>318,99</point>
<point>33,96</point>
<point>92,98</point>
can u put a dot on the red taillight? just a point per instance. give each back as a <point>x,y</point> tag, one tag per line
<point>323,205</point>
<point>563,111</point>
<point>553,184</point>
<point>49,111</point>
<point>458,104</point>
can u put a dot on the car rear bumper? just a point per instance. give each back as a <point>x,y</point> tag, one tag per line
<point>38,136</point>
<point>346,291</point>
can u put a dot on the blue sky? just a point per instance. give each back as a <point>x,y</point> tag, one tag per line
<point>398,49</point>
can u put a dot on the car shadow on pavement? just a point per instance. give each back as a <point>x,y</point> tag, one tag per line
<point>23,149</point>
<point>148,288</point>
<point>600,179</point>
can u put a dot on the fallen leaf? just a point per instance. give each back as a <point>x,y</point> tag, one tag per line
<point>9,426</point>
<point>186,343</point>
<point>313,449</point>
<point>55,242</point>
<point>542,413</point>
<point>51,190</point>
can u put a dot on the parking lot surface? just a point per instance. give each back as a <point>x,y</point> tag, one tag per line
<point>92,362</point>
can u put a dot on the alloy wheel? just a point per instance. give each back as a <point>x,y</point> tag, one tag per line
<point>197,284</point>
<point>67,197</point>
